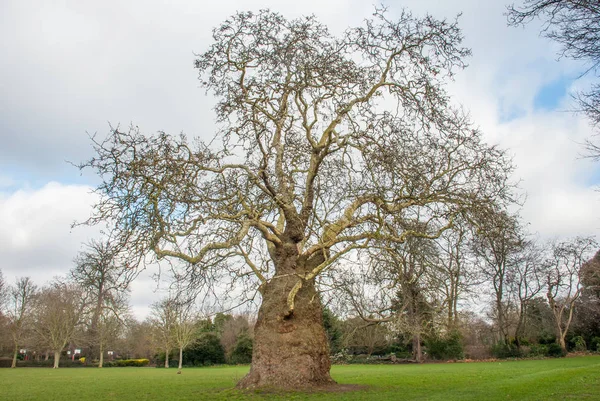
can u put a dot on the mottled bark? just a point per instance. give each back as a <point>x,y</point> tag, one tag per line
<point>101,356</point>
<point>14,361</point>
<point>180,360</point>
<point>56,359</point>
<point>290,347</point>
<point>166,357</point>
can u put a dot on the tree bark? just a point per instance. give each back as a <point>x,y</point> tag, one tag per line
<point>180,360</point>
<point>56,359</point>
<point>290,347</point>
<point>562,342</point>
<point>14,361</point>
<point>101,356</point>
<point>166,357</point>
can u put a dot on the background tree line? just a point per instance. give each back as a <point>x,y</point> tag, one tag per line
<point>493,291</point>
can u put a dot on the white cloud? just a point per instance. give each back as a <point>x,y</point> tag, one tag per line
<point>72,66</point>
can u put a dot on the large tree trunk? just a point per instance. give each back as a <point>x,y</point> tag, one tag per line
<point>56,359</point>
<point>290,349</point>
<point>166,357</point>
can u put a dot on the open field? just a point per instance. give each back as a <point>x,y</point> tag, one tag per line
<point>571,378</point>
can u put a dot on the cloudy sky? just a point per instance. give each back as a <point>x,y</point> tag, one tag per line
<point>69,68</point>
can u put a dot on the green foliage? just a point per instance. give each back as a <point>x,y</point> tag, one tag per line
<point>206,350</point>
<point>126,362</point>
<point>579,344</point>
<point>333,329</point>
<point>445,347</point>
<point>538,350</point>
<point>555,351</point>
<point>64,363</point>
<point>547,339</point>
<point>504,351</point>
<point>595,344</point>
<point>242,350</point>
<point>219,322</point>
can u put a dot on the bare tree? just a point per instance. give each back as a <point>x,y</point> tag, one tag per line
<point>323,140</point>
<point>108,329</point>
<point>453,274</point>
<point>564,273</point>
<point>58,311</point>
<point>184,327</point>
<point>105,277</point>
<point>364,337</point>
<point>19,312</point>
<point>232,329</point>
<point>526,281</point>
<point>497,246</point>
<point>163,319</point>
<point>574,25</point>
<point>3,291</point>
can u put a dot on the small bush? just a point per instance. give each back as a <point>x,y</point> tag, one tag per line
<point>126,362</point>
<point>206,350</point>
<point>504,351</point>
<point>555,351</point>
<point>64,363</point>
<point>538,350</point>
<point>595,344</point>
<point>444,348</point>
<point>579,344</point>
<point>242,351</point>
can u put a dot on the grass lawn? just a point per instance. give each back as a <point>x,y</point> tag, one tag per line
<point>551,379</point>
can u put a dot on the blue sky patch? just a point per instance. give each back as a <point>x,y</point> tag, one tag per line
<point>550,95</point>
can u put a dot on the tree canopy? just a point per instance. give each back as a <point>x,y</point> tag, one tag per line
<point>325,145</point>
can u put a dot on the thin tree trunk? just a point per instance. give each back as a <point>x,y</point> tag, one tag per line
<point>14,361</point>
<point>101,356</point>
<point>417,348</point>
<point>166,357</point>
<point>180,360</point>
<point>56,359</point>
<point>290,349</point>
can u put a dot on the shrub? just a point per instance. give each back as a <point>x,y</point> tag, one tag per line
<point>579,344</point>
<point>538,350</point>
<point>64,363</point>
<point>242,350</point>
<point>554,350</point>
<point>127,362</point>
<point>443,348</point>
<point>595,344</point>
<point>206,350</point>
<point>504,351</point>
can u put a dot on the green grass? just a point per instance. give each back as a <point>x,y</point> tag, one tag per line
<point>550,379</point>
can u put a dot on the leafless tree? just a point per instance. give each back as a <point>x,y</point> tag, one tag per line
<point>19,312</point>
<point>58,312</point>
<point>361,336</point>
<point>323,140</point>
<point>163,319</point>
<point>3,291</point>
<point>526,281</point>
<point>574,25</point>
<point>497,246</point>
<point>564,268</point>
<point>184,328</point>
<point>454,275</point>
<point>232,329</point>
<point>105,276</point>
